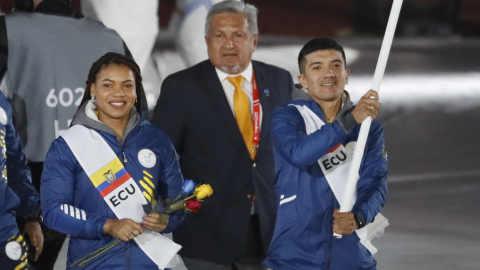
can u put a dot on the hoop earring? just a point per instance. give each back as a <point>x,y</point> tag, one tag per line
<point>93,98</point>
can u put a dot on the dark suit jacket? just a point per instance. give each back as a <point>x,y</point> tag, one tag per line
<point>194,112</point>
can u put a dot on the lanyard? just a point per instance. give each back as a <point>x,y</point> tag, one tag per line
<point>256,116</point>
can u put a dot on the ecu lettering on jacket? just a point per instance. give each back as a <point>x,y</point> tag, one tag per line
<point>118,189</point>
<point>312,160</point>
<point>78,201</point>
<point>335,166</point>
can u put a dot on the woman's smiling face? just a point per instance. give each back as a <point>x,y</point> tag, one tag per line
<point>115,91</point>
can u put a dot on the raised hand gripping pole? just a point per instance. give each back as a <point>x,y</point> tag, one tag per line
<point>353,174</point>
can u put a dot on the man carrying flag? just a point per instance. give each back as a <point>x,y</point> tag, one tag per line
<point>313,143</point>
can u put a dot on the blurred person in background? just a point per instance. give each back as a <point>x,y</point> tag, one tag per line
<point>137,23</point>
<point>44,56</point>
<point>186,25</point>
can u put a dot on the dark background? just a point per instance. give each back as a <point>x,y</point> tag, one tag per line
<point>310,18</point>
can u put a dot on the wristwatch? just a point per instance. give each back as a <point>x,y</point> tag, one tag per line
<point>359,221</point>
<point>37,218</point>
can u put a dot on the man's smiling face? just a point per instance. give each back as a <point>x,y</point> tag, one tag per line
<point>324,75</point>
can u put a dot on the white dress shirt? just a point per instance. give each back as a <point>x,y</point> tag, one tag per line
<point>229,88</point>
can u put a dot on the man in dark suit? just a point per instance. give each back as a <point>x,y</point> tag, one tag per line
<point>221,133</point>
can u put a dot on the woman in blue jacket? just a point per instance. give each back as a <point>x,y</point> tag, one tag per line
<point>75,204</point>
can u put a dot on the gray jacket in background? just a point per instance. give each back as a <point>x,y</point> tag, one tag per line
<point>49,57</point>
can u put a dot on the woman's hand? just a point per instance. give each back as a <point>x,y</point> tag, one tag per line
<point>153,222</point>
<point>124,229</point>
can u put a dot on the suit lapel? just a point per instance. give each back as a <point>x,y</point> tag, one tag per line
<point>214,91</point>
<point>265,100</point>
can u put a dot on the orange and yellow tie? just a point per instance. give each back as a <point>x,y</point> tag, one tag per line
<point>242,111</point>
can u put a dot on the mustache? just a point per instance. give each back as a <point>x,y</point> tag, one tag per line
<point>229,51</point>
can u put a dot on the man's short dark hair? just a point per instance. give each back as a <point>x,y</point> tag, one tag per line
<point>318,44</point>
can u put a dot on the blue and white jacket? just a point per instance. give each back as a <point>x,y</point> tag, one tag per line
<point>303,235</point>
<point>18,197</point>
<point>72,205</point>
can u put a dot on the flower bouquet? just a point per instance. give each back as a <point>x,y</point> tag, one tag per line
<point>190,201</point>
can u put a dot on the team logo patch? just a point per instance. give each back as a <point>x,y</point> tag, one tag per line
<point>13,250</point>
<point>3,116</point>
<point>109,176</point>
<point>385,153</point>
<point>147,158</point>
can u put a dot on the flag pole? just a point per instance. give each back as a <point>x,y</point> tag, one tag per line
<point>353,174</point>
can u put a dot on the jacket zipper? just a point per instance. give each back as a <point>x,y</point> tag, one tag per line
<point>331,233</point>
<point>121,145</point>
<point>128,255</point>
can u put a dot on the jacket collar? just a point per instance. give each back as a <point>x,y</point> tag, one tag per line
<point>346,106</point>
<point>86,116</point>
